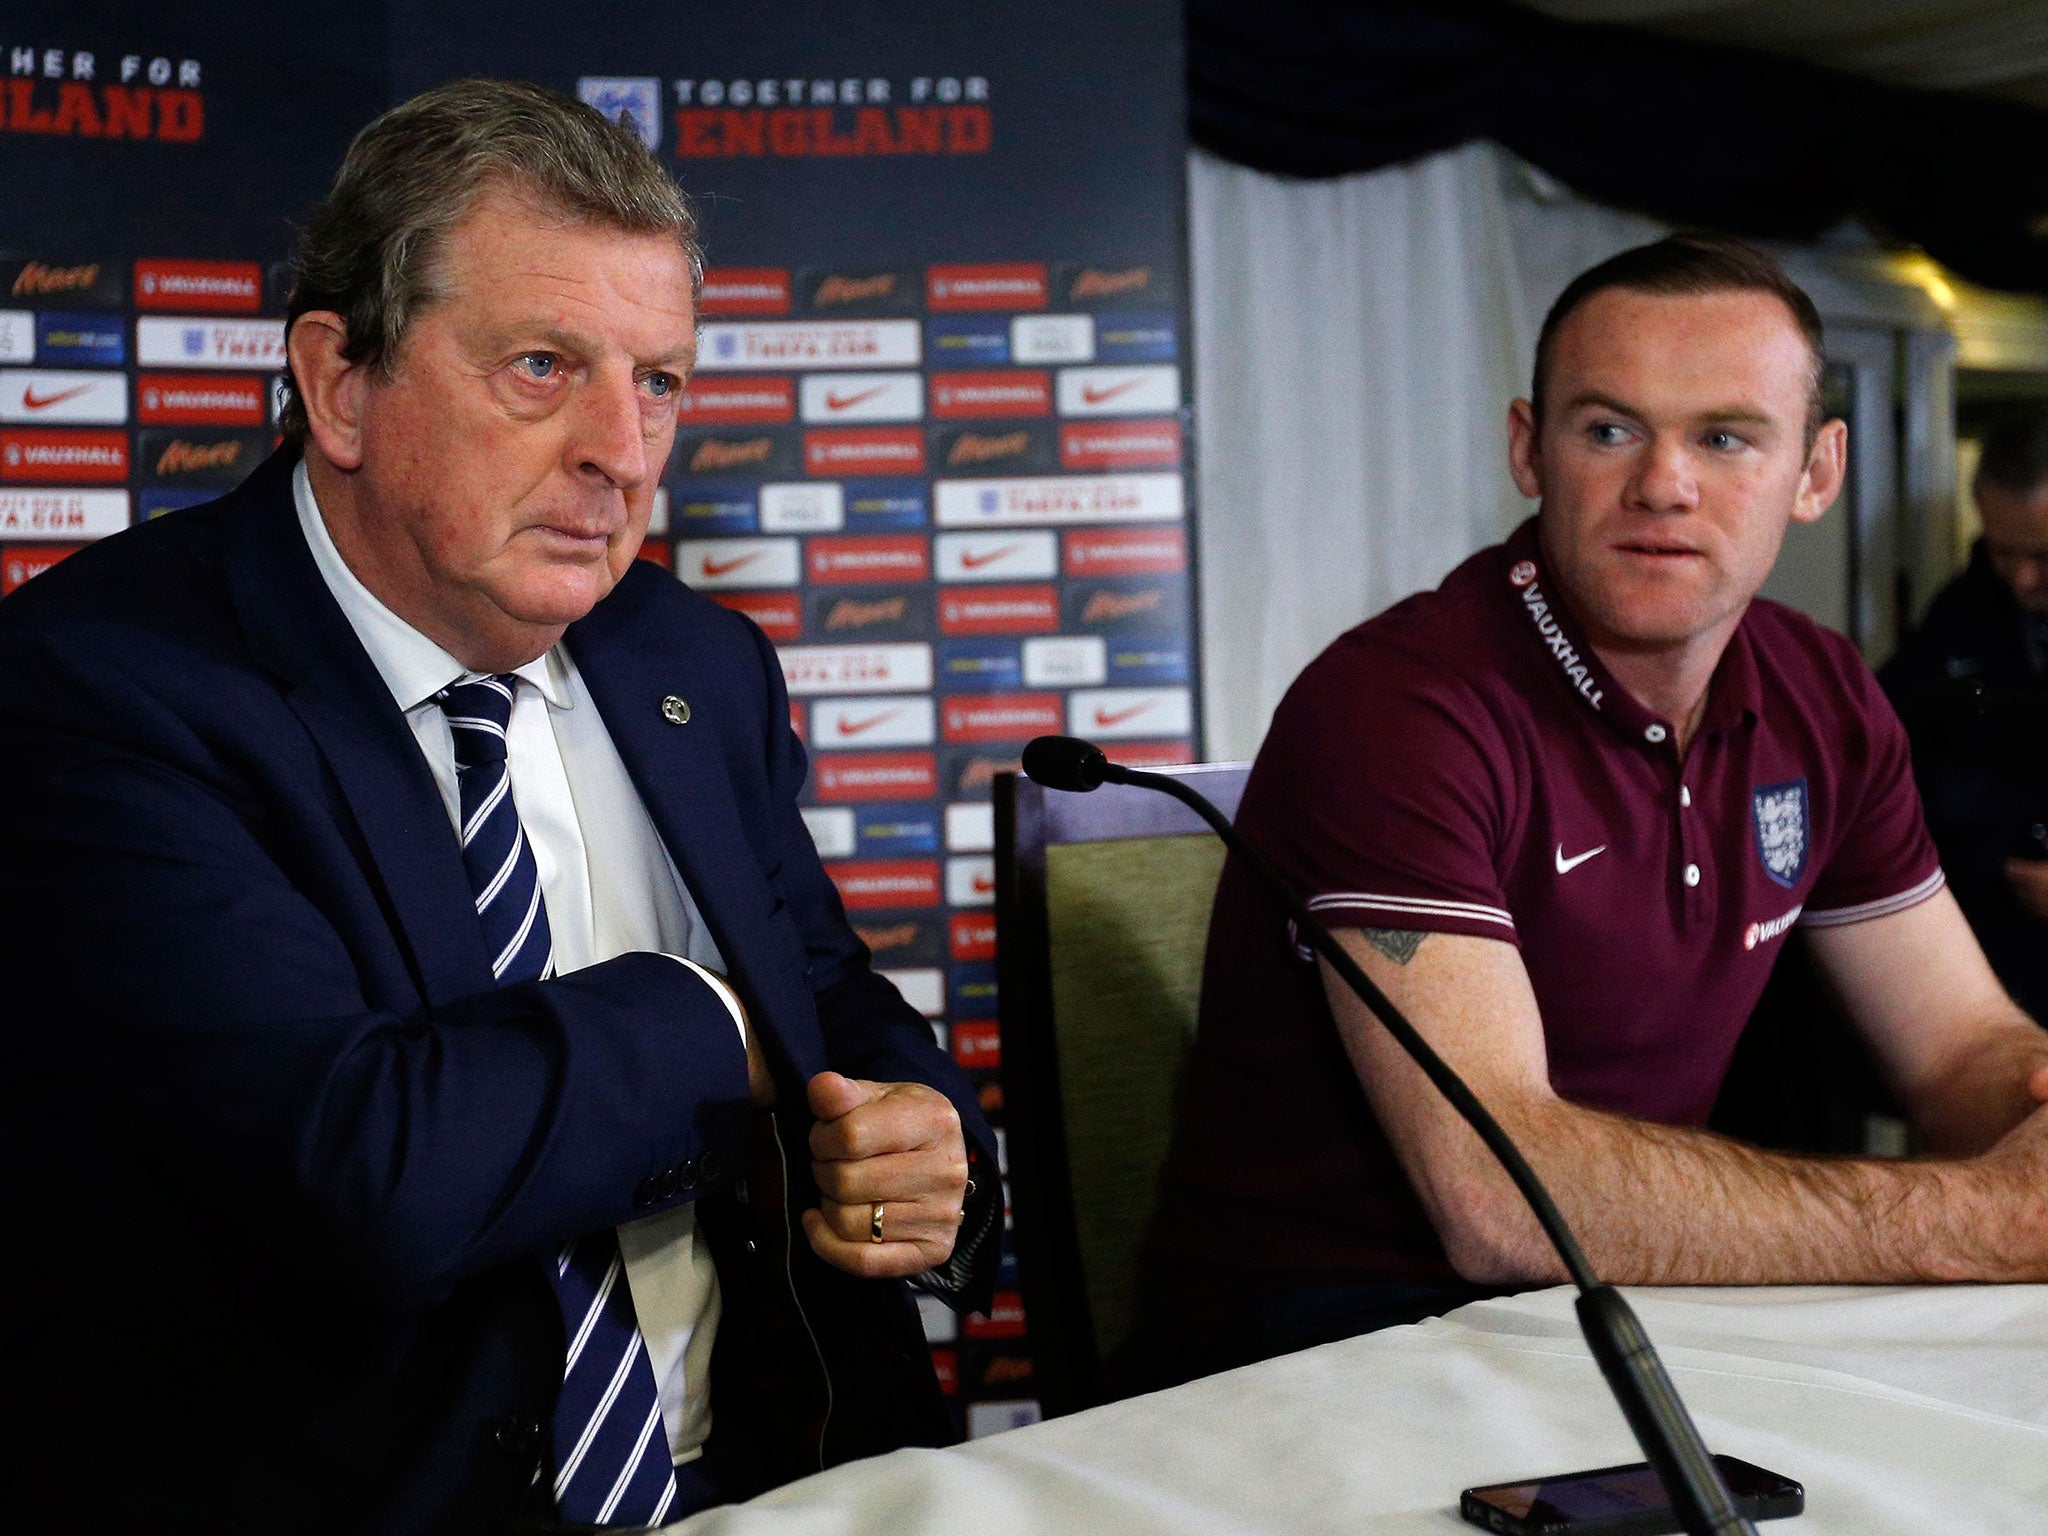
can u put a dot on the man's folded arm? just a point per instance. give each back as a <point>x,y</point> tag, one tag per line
<point>222,1008</point>
<point>1653,1204</point>
<point>1962,1057</point>
<point>869,1031</point>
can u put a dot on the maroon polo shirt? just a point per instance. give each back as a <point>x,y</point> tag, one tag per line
<point>1464,764</point>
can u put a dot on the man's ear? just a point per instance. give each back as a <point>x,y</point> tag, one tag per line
<point>1524,455</point>
<point>1826,466</point>
<point>330,386</point>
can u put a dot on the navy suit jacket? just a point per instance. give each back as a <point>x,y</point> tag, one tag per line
<point>276,1156</point>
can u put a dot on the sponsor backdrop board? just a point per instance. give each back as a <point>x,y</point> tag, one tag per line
<point>936,446</point>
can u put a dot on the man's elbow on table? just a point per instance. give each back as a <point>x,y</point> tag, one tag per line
<point>1489,1234</point>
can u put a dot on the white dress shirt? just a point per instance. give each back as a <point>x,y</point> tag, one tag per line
<point>611,889</point>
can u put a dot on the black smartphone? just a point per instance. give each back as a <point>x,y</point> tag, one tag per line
<point>1618,1501</point>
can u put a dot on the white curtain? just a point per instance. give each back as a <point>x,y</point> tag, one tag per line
<point>1356,345</point>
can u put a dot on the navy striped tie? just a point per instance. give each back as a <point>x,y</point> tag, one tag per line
<point>610,1450</point>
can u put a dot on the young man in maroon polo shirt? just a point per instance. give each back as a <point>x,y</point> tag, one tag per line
<point>1566,810</point>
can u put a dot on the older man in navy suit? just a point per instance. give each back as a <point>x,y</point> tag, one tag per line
<point>442,1090</point>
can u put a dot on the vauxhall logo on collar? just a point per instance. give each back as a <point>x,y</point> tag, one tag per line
<point>1522,575</point>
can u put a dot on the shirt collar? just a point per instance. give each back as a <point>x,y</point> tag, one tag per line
<point>413,667</point>
<point>1561,650</point>
<point>1735,695</point>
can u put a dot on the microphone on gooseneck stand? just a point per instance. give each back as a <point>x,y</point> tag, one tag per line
<point>1635,1375</point>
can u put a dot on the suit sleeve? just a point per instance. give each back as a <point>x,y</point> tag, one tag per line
<point>869,1030</point>
<point>192,946</point>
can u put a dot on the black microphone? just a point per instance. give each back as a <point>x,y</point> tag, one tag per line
<point>1069,763</point>
<point>1636,1377</point>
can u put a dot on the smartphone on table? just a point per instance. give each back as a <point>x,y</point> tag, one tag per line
<point>1618,1501</point>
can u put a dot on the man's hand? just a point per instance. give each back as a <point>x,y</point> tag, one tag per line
<point>2029,881</point>
<point>897,1145</point>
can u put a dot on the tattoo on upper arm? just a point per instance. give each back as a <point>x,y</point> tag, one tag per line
<point>1397,944</point>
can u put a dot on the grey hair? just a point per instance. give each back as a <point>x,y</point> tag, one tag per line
<point>372,249</point>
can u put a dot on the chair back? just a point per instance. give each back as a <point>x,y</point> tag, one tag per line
<point>1102,916</point>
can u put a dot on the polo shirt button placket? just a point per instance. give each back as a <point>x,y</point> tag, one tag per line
<point>1691,874</point>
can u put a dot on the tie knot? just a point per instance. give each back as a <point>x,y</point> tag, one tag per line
<point>478,712</point>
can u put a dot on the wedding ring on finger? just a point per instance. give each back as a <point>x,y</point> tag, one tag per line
<point>875,1222</point>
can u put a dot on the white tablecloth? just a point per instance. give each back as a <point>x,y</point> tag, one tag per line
<point>1901,1410</point>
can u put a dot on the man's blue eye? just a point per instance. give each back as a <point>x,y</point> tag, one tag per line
<point>662,384</point>
<point>538,365</point>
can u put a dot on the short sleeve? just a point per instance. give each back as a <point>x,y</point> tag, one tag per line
<point>1883,861</point>
<point>1380,793</point>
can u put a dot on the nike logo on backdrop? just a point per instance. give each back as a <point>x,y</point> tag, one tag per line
<point>856,727</point>
<point>727,567</point>
<point>974,560</point>
<point>35,402</point>
<point>1096,394</point>
<point>834,401</point>
<point>1565,866</point>
<point>1104,718</point>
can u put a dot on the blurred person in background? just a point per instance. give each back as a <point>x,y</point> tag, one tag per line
<point>1971,684</point>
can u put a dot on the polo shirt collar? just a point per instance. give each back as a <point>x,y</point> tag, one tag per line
<point>1560,649</point>
<point>413,667</point>
<point>1735,696</point>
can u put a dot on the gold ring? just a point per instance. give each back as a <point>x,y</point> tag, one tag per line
<point>875,1222</point>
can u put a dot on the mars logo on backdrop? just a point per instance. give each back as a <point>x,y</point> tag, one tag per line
<point>91,284</point>
<point>630,100</point>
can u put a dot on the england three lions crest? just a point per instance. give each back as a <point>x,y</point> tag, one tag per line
<point>632,101</point>
<point>1780,814</point>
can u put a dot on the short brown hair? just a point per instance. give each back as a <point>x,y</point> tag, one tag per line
<point>371,250</point>
<point>1690,262</point>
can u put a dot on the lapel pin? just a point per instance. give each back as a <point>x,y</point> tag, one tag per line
<point>675,711</point>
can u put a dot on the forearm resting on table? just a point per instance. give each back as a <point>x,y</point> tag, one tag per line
<point>1659,1205</point>
<point>1653,1204</point>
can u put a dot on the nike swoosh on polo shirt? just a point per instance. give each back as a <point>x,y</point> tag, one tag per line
<point>1566,865</point>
